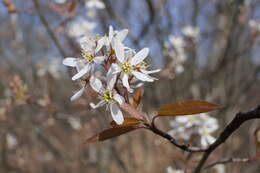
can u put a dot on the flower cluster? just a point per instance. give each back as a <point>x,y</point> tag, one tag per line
<point>178,46</point>
<point>203,125</point>
<point>124,70</point>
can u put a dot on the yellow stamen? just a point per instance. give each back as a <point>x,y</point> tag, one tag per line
<point>107,96</point>
<point>87,56</point>
<point>126,67</point>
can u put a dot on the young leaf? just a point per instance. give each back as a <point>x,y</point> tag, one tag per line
<point>128,121</point>
<point>137,96</point>
<point>9,6</point>
<point>110,133</point>
<point>187,108</point>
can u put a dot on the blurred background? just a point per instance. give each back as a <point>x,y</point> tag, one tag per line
<point>207,50</point>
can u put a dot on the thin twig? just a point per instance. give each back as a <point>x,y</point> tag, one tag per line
<point>183,146</point>
<point>231,160</point>
<point>239,119</point>
<point>48,29</point>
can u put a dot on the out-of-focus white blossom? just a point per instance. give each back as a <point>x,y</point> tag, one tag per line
<point>190,31</point>
<point>60,1</point>
<point>75,123</point>
<point>254,25</point>
<point>169,169</point>
<point>177,54</point>
<point>220,168</point>
<point>202,125</point>
<point>209,126</point>
<point>11,141</point>
<point>94,4</point>
<point>79,27</point>
<point>52,67</point>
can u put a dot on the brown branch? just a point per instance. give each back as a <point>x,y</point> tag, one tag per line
<point>239,119</point>
<point>48,29</point>
<point>183,146</point>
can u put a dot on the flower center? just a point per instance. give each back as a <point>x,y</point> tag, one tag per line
<point>87,56</point>
<point>126,67</point>
<point>107,96</point>
<point>142,65</point>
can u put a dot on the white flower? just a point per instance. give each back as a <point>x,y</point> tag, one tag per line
<point>190,31</point>
<point>108,96</point>
<point>90,58</point>
<point>131,65</point>
<point>95,4</point>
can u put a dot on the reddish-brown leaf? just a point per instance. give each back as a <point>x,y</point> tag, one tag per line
<point>187,108</point>
<point>9,6</point>
<point>110,133</point>
<point>137,96</point>
<point>128,121</point>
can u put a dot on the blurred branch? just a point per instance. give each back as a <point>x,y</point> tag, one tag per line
<point>239,119</point>
<point>118,159</point>
<point>184,147</point>
<point>151,11</point>
<point>48,29</point>
<point>231,160</point>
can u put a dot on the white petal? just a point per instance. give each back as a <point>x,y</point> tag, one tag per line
<point>119,49</point>
<point>101,42</point>
<point>101,103</point>
<point>87,43</point>
<point>119,99</point>
<point>142,76</point>
<point>80,64</point>
<point>96,84</point>
<point>99,59</point>
<point>203,141</point>
<point>100,5</point>
<point>81,73</point>
<point>111,80</point>
<point>77,94</point>
<point>121,35</point>
<point>210,139</point>
<point>140,56</point>
<point>116,113</point>
<point>126,83</point>
<point>115,68</point>
<point>151,71</point>
<point>110,33</point>
<point>137,85</point>
<point>70,61</point>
